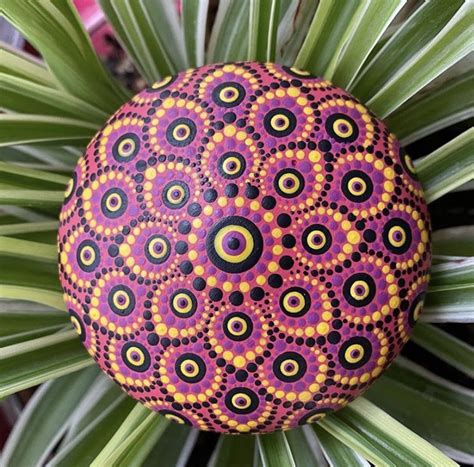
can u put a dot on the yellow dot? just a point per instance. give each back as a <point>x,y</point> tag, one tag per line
<point>305,396</point>
<point>239,361</point>
<point>150,173</point>
<point>273,266</point>
<point>161,329</point>
<point>242,428</point>
<point>87,193</point>
<point>322,328</point>
<point>124,249</point>
<point>353,237</point>
<point>94,313</point>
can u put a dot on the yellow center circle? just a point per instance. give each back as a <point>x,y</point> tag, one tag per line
<point>354,353</point>
<point>339,129</point>
<point>122,147</point>
<point>391,236</point>
<point>230,160</point>
<point>280,122</point>
<point>356,294</point>
<point>193,369</point>
<point>109,202</point>
<point>233,94</point>
<point>135,350</point>
<point>87,261</point>
<point>181,194</point>
<point>293,188</point>
<point>182,309</point>
<point>151,248</point>
<point>116,300</point>
<point>316,239</point>
<point>294,308</point>
<point>245,397</point>
<point>237,320</point>
<point>185,134</point>
<point>293,371</point>
<point>246,252</point>
<point>353,189</point>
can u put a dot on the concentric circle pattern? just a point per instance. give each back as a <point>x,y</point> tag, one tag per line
<point>244,248</point>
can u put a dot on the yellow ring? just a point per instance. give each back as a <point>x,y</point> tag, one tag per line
<point>279,117</point>
<point>293,309</point>
<point>245,397</point>
<point>92,258</point>
<point>129,352</point>
<point>342,134</point>
<point>349,358</point>
<point>122,143</point>
<point>357,284</point>
<point>179,309</point>
<point>179,127</point>
<point>231,258</point>
<point>397,228</point>
<point>284,189</point>
<point>239,320</point>
<point>229,100</point>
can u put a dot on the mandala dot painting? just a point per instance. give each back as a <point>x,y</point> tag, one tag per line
<point>244,248</point>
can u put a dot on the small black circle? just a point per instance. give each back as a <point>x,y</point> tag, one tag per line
<point>136,356</point>
<point>289,367</point>
<point>397,236</point>
<point>359,289</point>
<point>357,186</point>
<point>228,94</point>
<point>241,401</point>
<point>181,132</point>
<point>355,352</point>
<point>316,239</point>
<point>190,368</point>
<point>279,122</point>
<point>342,128</point>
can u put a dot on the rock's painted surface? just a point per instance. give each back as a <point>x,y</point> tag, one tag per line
<point>244,247</point>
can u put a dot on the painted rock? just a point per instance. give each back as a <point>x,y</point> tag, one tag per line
<point>244,247</point>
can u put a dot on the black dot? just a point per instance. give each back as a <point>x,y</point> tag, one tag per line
<point>283,220</point>
<point>153,339</point>
<point>286,262</point>
<point>231,190</point>
<point>251,192</point>
<point>257,293</point>
<point>194,209</point>
<point>236,298</point>
<point>324,145</point>
<point>186,267</point>
<point>369,235</point>
<point>210,195</point>
<point>268,202</point>
<point>215,294</point>
<point>181,247</point>
<point>288,241</point>
<point>241,375</point>
<point>113,250</point>
<point>334,337</point>
<point>184,227</point>
<point>199,283</point>
<point>229,117</point>
<point>275,281</point>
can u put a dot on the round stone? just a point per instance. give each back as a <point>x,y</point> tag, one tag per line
<point>244,247</point>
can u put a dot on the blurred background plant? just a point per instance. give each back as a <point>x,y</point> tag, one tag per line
<point>63,71</point>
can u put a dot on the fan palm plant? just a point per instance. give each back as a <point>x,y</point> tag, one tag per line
<point>407,61</point>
